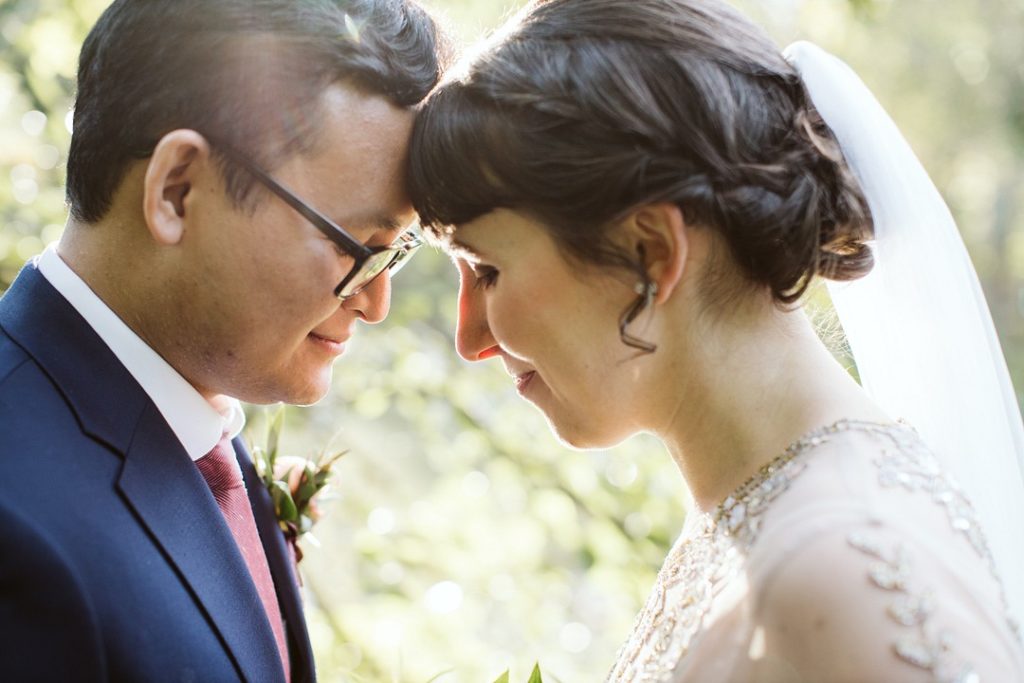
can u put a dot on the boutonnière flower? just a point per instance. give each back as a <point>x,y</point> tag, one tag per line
<point>294,484</point>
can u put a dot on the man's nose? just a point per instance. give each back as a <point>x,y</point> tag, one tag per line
<point>374,301</point>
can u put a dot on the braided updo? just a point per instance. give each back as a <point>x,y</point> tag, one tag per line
<point>583,110</point>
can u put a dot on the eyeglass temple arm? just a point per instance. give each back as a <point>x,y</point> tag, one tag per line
<point>324,224</point>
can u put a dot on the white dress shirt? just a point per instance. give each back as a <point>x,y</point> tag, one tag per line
<point>196,422</point>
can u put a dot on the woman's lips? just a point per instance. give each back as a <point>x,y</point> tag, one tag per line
<point>524,380</point>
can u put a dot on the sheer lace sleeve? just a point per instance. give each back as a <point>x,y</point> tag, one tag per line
<point>874,603</point>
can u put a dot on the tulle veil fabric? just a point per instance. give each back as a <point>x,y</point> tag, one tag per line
<point>918,326</point>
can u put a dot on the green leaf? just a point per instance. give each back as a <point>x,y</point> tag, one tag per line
<point>325,461</point>
<point>259,460</point>
<point>535,676</point>
<point>284,506</point>
<point>307,487</point>
<point>503,678</point>
<point>274,428</point>
<point>320,479</point>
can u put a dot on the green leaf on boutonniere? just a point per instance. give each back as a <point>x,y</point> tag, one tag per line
<point>320,478</point>
<point>284,506</point>
<point>503,678</point>
<point>307,486</point>
<point>325,461</point>
<point>274,436</point>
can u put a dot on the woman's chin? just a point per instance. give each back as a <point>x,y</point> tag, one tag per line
<point>586,436</point>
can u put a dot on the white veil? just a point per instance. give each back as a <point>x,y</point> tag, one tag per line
<point>918,325</point>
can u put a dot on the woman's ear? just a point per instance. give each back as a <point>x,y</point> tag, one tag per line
<point>662,233</point>
<point>172,171</point>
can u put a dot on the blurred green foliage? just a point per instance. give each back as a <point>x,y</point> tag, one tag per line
<point>463,540</point>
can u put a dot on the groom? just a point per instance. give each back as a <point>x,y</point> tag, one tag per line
<point>136,542</point>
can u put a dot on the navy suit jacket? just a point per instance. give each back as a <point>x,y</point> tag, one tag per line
<point>115,561</point>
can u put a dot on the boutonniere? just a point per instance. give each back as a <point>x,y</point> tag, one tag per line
<point>294,484</point>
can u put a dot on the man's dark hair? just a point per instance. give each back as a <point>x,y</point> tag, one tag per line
<point>245,73</point>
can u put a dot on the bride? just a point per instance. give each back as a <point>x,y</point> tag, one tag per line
<point>638,195</point>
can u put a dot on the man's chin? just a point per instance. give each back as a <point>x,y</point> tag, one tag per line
<point>306,393</point>
<point>312,393</point>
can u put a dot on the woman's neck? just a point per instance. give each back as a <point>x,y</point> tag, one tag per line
<point>749,391</point>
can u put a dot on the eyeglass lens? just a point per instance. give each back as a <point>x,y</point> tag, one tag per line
<point>376,264</point>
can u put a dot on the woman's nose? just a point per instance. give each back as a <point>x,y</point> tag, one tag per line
<point>473,339</point>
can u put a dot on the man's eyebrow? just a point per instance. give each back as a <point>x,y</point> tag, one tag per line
<point>379,222</point>
<point>389,223</point>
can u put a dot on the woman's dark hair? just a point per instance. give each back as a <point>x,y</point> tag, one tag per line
<point>584,110</point>
<point>247,73</point>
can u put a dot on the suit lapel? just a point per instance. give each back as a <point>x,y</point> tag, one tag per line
<point>173,501</point>
<point>281,568</point>
<point>158,480</point>
<point>85,370</point>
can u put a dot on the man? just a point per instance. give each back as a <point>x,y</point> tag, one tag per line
<point>193,268</point>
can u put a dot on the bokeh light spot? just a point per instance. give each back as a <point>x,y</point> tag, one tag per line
<point>444,597</point>
<point>25,190</point>
<point>621,473</point>
<point>381,521</point>
<point>638,525</point>
<point>574,637</point>
<point>47,157</point>
<point>33,122</point>
<point>475,484</point>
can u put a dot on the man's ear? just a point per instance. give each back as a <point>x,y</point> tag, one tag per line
<point>662,232</point>
<point>172,171</point>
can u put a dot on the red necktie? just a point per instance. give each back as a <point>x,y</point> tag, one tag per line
<point>220,469</point>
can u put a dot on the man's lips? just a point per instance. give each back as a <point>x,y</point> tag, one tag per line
<point>335,345</point>
<point>329,338</point>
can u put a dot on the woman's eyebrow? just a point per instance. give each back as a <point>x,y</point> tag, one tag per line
<point>456,247</point>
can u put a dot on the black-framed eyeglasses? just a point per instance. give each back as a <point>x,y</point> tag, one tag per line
<point>370,262</point>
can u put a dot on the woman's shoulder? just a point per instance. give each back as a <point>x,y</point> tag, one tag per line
<point>878,473</point>
<point>875,481</point>
<point>876,556</point>
<point>875,605</point>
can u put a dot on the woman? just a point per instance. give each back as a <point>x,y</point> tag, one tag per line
<point>637,194</point>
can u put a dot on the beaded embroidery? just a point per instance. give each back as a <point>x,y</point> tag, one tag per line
<point>703,562</point>
<point>909,464</point>
<point>921,647</point>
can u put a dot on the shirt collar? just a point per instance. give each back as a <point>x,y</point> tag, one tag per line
<point>198,423</point>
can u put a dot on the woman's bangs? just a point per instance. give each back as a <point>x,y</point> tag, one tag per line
<point>450,180</point>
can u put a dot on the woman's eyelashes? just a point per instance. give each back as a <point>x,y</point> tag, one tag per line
<point>485,276</point>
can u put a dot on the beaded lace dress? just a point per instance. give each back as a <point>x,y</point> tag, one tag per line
<point>850,557</point>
